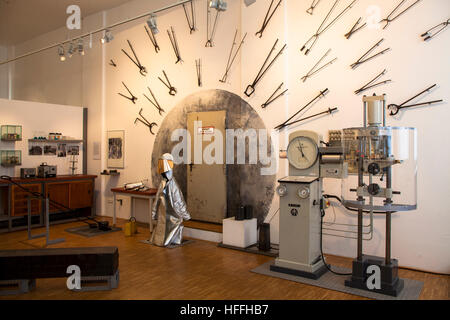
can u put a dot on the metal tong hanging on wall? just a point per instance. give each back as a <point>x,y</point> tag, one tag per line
<point>313,6</point>
<point>210,33</point>
<point>267,18</point>
<point>133,98</point>
<point>388,19</point>
<point>190,19</point>
<point>172,89</point>
<point>328,111</point>
<point>285,123</point>
<point>142,69</point>
<point>251,87</point>
<point>154,102</point>
<point>430,33</point>
<point>272,98</point>
<point>355,28</point>
<point>173,41</point>
<point>151,36</point>
<point>231,59</point>
<point>364,57</point>
<point>394,108</point>
<point>323,28</point>
<point>144,121</point>
<point>314,70</point>
<point>198,67</point>
<point>370,84</point>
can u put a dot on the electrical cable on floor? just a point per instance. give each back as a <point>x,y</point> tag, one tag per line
<point>321,250</point>
<point>42,196</point>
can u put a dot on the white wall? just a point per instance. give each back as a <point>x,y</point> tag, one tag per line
<point>53,118</point>
<point>412,64</point>
<point>3,73</point>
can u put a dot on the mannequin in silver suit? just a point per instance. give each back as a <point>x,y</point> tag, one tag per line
<point>169,207</point>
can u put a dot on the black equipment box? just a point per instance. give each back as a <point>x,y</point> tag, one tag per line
<point>53,262</point>
<point>26,173</point>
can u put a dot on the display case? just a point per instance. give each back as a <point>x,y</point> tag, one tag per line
<point>382,168</point>
<point>10,158</point>
<point>11,133</point>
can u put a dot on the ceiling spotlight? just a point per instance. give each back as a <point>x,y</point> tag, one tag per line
<point>108,37</point>
<point>71,50</point>
<point>81,47</point>
<point>61,54</point>
<point>151,22</point>
<point>219,5</point>
<point>249,2</point>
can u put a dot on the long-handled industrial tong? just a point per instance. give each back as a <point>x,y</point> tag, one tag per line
<point>313,6</point>
<point>394,108</point>
<point>267,18</point>
<point>313,70</point>
<point>133,98</point>
<point>320,95</point>
<point>172,89</point>
<point>370,84</point>
<point>190,19</point>
<point>142,69</point>
<point>323,28</point>
<point>230,58</point>
<point>154,102</point>
<point>174,42</point>
<point>388,19</point>
<point>364,57</point>
<point>272,98</point>
<point>356,27</point>
<point>152,38</point>
<point>144,121</point>
<point>427,35</point>
<point>251,87</point>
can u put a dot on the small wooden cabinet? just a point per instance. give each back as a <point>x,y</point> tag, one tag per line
<point>59,193</point>
<point>81,194</point>
<point>71,194</point>
<point>19,201</point>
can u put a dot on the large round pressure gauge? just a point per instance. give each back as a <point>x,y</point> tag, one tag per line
<point>302,152</point>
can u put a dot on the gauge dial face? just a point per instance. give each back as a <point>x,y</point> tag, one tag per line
<point>302,152</point>
<point>303,192</point>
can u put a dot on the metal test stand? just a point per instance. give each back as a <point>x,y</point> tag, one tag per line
<point>364,158</point>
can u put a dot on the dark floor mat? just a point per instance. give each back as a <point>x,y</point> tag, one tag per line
<point>331,281</point>
<point>89,232</point>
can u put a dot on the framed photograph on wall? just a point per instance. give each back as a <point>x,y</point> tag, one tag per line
<point>116,149</point>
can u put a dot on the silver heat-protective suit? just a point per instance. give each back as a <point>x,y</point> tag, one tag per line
<point>169,207</point>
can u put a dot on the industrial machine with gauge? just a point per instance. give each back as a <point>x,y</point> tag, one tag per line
<point>377,165</point>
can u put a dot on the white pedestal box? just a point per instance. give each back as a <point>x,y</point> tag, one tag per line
<point>242,233</point>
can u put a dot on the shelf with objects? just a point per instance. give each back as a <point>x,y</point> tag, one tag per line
<point>110,173</point>
<point>56,141</point>
<point>11,133</point>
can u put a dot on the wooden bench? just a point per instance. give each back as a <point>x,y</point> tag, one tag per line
<point>19,269</point>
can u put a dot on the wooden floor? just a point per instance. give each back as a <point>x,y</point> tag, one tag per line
<point>198,270</point>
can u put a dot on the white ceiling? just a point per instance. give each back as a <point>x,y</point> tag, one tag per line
<point>22,20</point>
